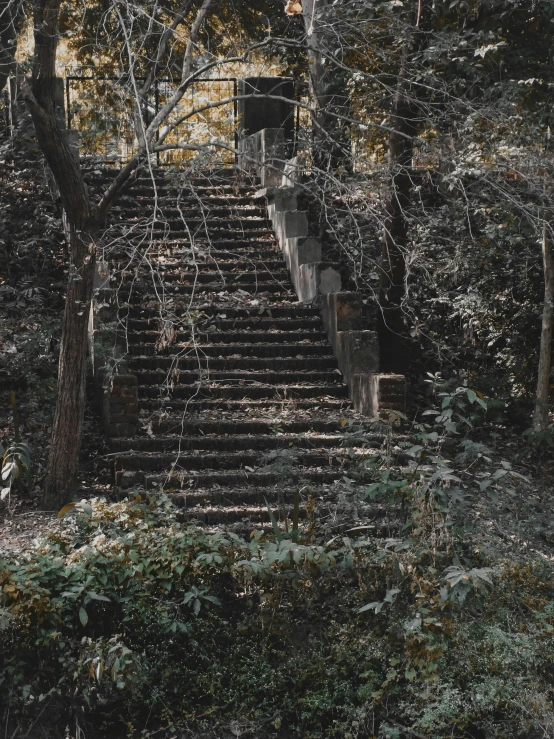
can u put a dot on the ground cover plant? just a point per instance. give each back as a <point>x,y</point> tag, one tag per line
<point>430,622</point>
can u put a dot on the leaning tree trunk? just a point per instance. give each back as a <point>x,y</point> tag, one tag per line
<point>404,124</point>
<point>540,420</point>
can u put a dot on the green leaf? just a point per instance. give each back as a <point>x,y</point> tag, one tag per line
<point>390,597</point>
<point>83,616</point>
<point>96,596</point>
<point>276,529</point>
<point>296,516</point>
<point>85,508</point>
<point>371,607</point>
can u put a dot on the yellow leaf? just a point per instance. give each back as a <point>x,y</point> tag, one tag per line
<point>65,510</point>
<point>344,422</point>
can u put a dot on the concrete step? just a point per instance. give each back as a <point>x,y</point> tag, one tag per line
<point>280,390</point>
<point>189,210</point>
<point>187,200</point>
<point>250,381</point>
<point>201,459</point>
<point>185,369</point>
<point>142,288</point>
<point>214,261</point>
<point>328,400</point>
<point>204,334</point>
<point>214,314</point>
<point>210,223</point>
<point>174,427</point>
<point>230,327</point>
<point>205,275</point>
<point>218,350</point>
<point>177,480</point>
<point>230,442</point>
<point>169,247</point>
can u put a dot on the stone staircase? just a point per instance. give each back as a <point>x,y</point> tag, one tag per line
<point>229,396</point>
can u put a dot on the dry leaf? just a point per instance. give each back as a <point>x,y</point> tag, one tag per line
<point>293,8</point>
<point>66,509</point>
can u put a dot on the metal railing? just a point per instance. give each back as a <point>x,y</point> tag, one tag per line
<point>101,108</point>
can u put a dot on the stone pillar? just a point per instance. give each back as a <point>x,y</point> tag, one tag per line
<point>257,113</point>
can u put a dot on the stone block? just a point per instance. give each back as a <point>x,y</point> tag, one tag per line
<point>348,311</point>
<point>257,112</point>
<point>389,391</point>
<point>357,352</point>
<point>280,200</point>
<point>296,224</point>
<point>341,311</point>
<point>271,174</point>
<point>378,395</point>
<point>292,171</point>
<point>298,252</point>
<point>306,250</point>
<point>317,278</point>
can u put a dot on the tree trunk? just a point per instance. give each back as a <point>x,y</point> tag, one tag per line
<point>404,122</point>
<point>11,21</point>
<point>63,459</point>
<point>80,227</point>
<point>540,420</point>
<point>331,137</point>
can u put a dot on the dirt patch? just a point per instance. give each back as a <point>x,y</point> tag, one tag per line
<point>23,525</point>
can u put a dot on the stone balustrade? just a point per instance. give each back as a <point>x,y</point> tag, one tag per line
<point>373,393</point>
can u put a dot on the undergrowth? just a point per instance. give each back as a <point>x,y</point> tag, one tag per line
<point>127,622</point>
